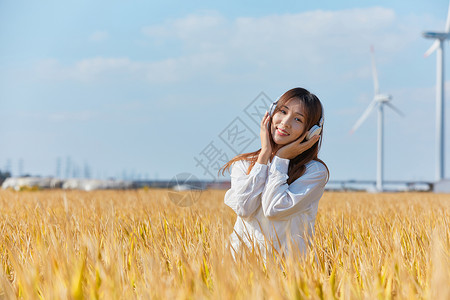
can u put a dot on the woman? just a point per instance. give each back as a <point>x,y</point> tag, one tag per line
<point>275,191</point>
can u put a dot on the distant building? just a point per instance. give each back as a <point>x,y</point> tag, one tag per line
<point>19,183</point>
<point>3,176</point>
<point>442,186</point>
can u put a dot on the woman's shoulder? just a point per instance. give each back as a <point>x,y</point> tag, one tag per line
<point>315,175</point>
<point>242,166</point>
<point>241,163</point>
<point>317,167</point>
<point>239,166</point>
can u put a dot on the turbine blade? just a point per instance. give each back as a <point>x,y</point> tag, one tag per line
<point>395,109</point>
<point>364,116</point>
<point>376,85</point>
<point>433,47</point>
<point>447,24</point>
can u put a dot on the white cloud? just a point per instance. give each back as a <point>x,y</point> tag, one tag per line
<point>185,28</point>
<point>310,35</point>
<point>94,67</point>
<point>101,68</point>
<point>89,69</point>
<point>99,36</point>
<point>315,44</point>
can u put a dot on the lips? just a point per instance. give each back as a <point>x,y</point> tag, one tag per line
<point>282,132</point>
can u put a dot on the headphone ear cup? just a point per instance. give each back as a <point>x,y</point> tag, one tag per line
<point>272,108</point>
<point>315,130</point>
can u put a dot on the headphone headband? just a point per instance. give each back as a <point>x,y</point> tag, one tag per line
<point>321,120</point>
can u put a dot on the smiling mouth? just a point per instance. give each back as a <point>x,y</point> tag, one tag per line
<point>282,132</point>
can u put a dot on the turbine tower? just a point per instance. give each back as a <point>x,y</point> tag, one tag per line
<point>438,45</point>
<point>379,100</point>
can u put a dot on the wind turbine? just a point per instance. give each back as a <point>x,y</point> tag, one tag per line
<point>379,100</point>
<point>438,45</point>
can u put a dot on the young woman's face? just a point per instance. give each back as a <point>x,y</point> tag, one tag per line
<point>288,122</point>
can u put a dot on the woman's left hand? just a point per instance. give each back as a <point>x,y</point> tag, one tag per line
<point>295,148</point>
<point>266,147</point>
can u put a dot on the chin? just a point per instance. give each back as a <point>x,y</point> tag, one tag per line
<point>284,141</point>
<point>281,142</point>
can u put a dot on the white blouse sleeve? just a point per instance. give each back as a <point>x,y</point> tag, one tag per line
<point>280,200</point>
<point>244,195</point>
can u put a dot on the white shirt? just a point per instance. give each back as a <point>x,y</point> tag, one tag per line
<point>269,211</point>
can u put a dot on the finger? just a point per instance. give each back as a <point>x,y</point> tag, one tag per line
<point>264,118</point>
<point>267,120</point>
<point>306,144</point>
<point>302,137</point>
<point>312,141</point>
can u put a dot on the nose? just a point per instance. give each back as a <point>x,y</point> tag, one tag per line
<point>285,121</point>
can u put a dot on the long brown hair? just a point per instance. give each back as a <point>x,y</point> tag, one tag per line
<point>314,112</point>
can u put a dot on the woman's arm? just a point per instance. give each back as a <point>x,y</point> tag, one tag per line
<point>243,196</point>
<point>280,200</point>
<point>266,148</point>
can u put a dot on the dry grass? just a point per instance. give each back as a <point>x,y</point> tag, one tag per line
<point>138,244</point>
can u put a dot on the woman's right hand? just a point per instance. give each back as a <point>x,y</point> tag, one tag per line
<point>266,147</point>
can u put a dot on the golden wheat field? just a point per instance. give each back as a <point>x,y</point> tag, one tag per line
<point>140,245</point>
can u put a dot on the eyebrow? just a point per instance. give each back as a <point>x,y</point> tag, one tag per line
<point>295,112</point>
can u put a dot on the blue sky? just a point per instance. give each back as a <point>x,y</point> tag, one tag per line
<point>144,88</point>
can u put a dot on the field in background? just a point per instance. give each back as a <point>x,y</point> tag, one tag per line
<point>139,244</point>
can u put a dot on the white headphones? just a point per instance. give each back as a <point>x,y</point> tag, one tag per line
<point>315,130</point>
